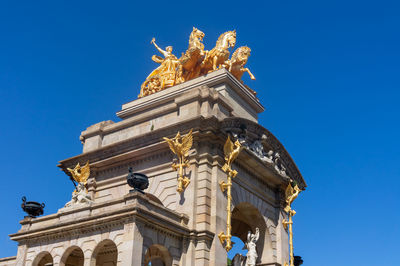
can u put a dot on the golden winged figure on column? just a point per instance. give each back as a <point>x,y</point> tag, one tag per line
<point>231,151</point>
<point>291,194</point>
<point>180,145</point>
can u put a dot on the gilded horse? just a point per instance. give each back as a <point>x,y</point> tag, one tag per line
<point>237,62</point>
<point>190,61</point>
<point>216,58</point>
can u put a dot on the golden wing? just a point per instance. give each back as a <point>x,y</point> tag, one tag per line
<point>289,192</point>
<point>187,142</point>
<point>228,147</point>
<point>85,173</point>
<point>171,144</point>
<point>72,171</point>
<point>157,59</point>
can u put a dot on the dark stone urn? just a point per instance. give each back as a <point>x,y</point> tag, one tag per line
<point>137,181</point>
<point>297,261</point>
<point>32,208</point>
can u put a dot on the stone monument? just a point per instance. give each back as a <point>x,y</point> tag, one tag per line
<point>178,219</point>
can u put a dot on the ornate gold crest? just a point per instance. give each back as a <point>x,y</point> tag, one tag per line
<point>80,174</point>
<point>291,194</point>
<point>180,145</point>
<point>231,151</point>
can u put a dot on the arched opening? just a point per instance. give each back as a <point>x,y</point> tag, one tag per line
<point>105,254</point>
<point>245,218</point>
<point>43,259</point>
<point>157,255</point>
<point>73,256</point>
<point>238,251</point>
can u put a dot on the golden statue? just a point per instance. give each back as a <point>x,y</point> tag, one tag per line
<point>163,76</point>
<point>291,194</point>
<point>237,62</point>
<point>80,174</point>
<point>195,62</point>
<point>216,58</point>
<point>80,195</point>
<point>231,151</point>
<point>189,63</point>
<point>180,145</point>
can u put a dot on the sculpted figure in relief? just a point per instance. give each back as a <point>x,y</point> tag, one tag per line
<point>251,247</point>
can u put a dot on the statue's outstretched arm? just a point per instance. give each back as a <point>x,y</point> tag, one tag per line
<point>164,53</point>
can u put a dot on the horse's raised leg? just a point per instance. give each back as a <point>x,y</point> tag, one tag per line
<point>251,75</point>
<point>215,59</point>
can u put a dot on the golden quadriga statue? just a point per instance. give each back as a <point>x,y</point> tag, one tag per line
<point>195,62</point>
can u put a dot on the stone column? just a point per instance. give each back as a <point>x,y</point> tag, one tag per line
<point>21,255</point>
<point>218,253</point>
<point>87,257</point>
<point>130,252</point>
<point>282,241</point>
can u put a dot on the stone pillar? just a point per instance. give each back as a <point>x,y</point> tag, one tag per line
<point>282,241</point>
<point>218,253</point>
<point>87,258</point>
<point>21,255</point>
<point>57,261</point>
<point>131,250</point>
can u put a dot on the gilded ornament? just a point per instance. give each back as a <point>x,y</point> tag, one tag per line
<point>163,76</point>
<point>231,151</point>
<point>80,195</point>
<point>291,194</point>
<point>219,55</point>
<point>196,61</point>
<point>237,62</point>
<point>180,145</point>
<point>80,174</point>
<point>190,61</point>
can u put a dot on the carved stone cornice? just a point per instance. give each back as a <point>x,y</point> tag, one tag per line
<point>132,207</point>
<point>255,131</point>
<point>212,79</point>
<point>150,142</point>
<point>144,147</point>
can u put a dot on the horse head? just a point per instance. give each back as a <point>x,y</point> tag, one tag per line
<point>226,40</point>
<point>196,34</point>
<point>241,55</point>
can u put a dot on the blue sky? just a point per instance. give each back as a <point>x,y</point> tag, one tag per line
<point>327,73</point>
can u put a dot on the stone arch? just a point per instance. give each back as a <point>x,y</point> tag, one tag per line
<point>245,218</point>
<point>158,255</point>
<point>73,256</point>
<point>105,253</point>
<point>267,212</point>
<point>44,258</point>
